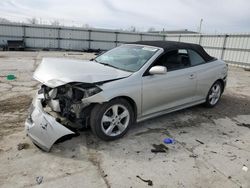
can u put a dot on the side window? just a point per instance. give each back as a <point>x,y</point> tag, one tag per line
<point>195,58</point>
<point>174,60</point>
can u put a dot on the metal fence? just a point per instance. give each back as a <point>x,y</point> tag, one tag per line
<point>233,48</point>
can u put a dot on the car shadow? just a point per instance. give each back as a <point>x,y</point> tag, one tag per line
<point>229,106</point>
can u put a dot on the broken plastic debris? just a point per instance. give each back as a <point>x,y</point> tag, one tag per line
<point>9,77</point>
<point>150,182</point>
<point>169,141</point>
<point>21,146</point>
<point>39,179</point>
<point>199,141</point>
<point>244,168</point>
<point>193,155</point>
<point>159,148</point>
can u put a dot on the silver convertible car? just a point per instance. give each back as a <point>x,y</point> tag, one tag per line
<point>128,84</point>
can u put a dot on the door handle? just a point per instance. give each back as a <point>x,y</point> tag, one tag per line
<point>191,76</point>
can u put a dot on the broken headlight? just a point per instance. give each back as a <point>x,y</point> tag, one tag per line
<point>91,91</point>
<point>53,93</point>
<point>81,91</point>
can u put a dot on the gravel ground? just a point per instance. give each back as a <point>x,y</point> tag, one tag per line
<point>212,146</point>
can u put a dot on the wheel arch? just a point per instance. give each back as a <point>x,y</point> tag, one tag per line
<point>222,84</point>
<point>131,102</point>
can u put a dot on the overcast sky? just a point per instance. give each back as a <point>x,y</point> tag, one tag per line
<point>218,15</point>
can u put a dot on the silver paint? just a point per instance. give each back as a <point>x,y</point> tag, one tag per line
<point>54,72</point>
<point>153,94</point>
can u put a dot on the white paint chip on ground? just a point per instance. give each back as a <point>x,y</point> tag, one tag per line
<point>245,168</point>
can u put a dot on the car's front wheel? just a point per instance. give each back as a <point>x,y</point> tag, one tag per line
<point>214,94</point>
<point>110,121</point>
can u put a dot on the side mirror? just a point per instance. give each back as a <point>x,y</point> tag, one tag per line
<point>158,70</point>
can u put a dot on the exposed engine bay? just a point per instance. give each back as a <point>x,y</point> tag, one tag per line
<point>65,103</point>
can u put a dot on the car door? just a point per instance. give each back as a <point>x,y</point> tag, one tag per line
<point>206,72</point>
<point>173,89</point>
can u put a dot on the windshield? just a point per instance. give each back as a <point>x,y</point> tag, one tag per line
<point>127,57</point>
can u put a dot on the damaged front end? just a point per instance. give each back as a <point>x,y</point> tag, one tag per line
<point>60,111</point>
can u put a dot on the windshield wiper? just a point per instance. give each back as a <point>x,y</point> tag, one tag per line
<point>93,59</point>
<point>106,64</point>
<point>109,65</point>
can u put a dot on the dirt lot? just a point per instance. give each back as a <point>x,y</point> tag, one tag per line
<point>212,146</point>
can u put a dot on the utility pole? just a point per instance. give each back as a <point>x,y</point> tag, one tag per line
<point>200,25</point>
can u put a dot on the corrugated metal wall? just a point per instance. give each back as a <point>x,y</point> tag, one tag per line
<point>69,38</point>
<point>232,48</point>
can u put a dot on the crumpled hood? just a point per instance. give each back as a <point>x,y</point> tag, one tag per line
<point>54,72</point>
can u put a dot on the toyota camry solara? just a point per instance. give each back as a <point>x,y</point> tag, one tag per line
<point>128,84</point>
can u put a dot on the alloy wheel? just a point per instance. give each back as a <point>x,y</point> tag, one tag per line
<point>115,120</point>
<point>215,93</point>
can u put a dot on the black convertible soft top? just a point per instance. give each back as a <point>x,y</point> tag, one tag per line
<point>172,45</point>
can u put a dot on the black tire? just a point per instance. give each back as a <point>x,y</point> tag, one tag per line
<point>99,110</point>
<point>208,102</point>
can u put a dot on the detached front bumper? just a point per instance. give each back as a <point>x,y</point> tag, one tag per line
<point>42,128</point>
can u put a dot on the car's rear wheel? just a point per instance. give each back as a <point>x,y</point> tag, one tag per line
<point>110,121</point>
<point>214,94</point>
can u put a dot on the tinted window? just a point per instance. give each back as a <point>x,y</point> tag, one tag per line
<point>174,60</point>
<point>195,58</point>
